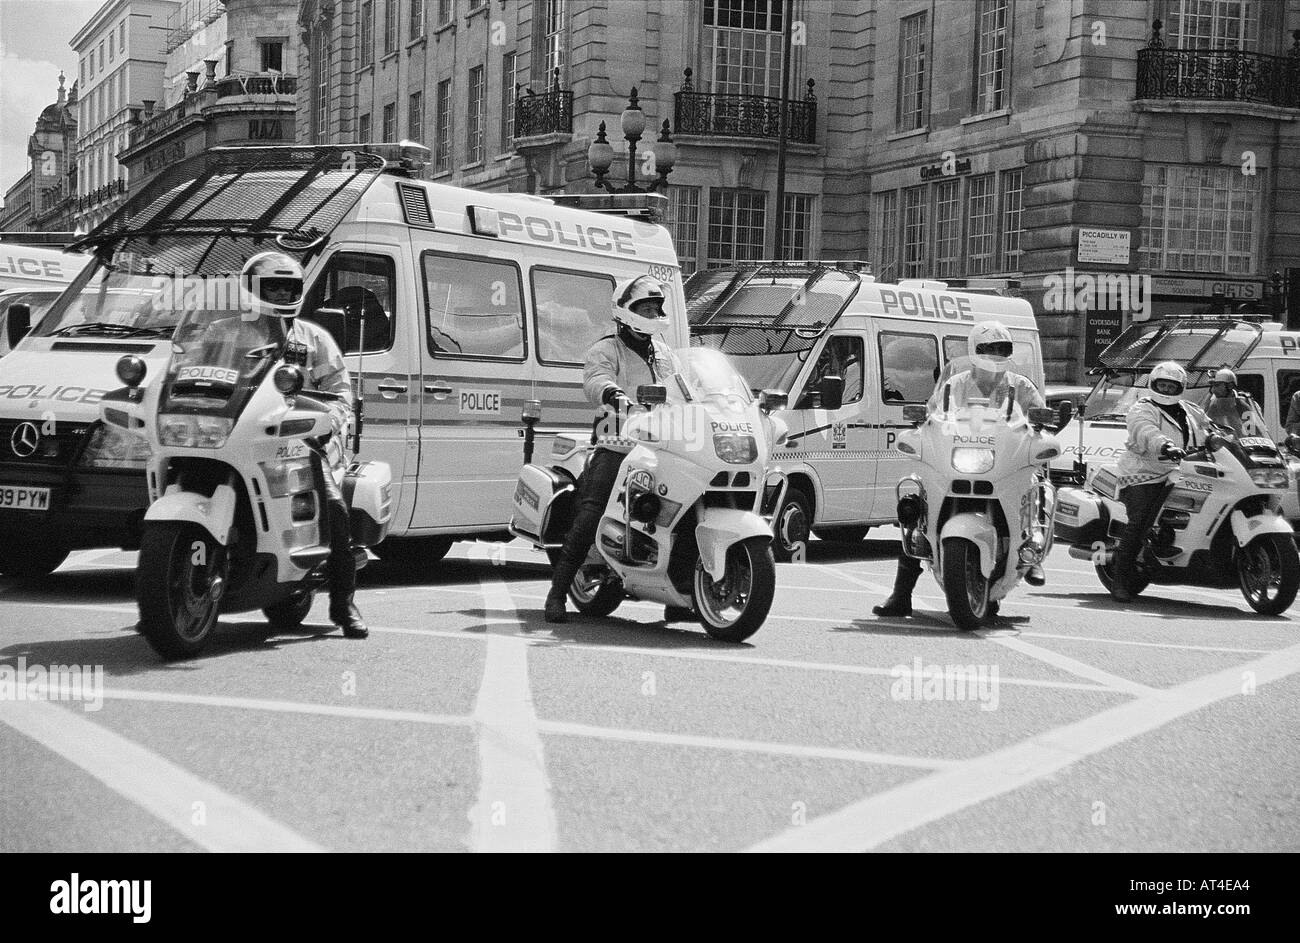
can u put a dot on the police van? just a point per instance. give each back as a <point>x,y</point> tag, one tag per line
<point>453,308</point>
<point>850,352</point>
<point>34,276</point>
<point>1265,357</point>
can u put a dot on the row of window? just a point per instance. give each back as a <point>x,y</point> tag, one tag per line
<point>390,12</point>
<point>102,102</point>
<point>473,307</point>
<point>736,226</point>
<point>116,41</point>
<point>1189,24</point>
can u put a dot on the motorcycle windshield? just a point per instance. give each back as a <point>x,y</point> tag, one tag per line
<point>974,389</point>
<point>705,374</point>
<point>218,358</point>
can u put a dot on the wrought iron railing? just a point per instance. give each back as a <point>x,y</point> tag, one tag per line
<point>548,113</point>
<point>262,84</point>
<point>1232,75</point>
<point>100,194</point>
<point>744,116</point>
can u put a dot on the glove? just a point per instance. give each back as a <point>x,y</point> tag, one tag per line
<point>619,401</point>
<point>1172,453</point>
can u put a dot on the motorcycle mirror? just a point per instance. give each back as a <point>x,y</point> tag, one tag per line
<point>1042,415</point>
<point>20,322</point>
<point>288,379</point>
<point>1215,442</point>
<point>651,394</point>
<point>770,400</point>
<point>532,411</point>
<point>131,370</point>
<point>1065,414</point>
<point>832,390</point>
<point>914,413</point>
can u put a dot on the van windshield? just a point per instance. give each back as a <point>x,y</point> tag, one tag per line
<point>106,301</point>
<point>1114,396</point>
<point>768,360</point>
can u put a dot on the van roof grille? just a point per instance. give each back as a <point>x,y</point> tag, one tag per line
<point>415,205</point>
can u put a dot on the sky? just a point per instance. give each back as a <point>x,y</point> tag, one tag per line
<point>34,37</point>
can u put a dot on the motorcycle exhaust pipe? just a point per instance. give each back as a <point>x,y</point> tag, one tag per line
<point>1101,555</point>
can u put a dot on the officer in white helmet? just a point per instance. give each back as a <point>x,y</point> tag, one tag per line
<point>1232,407</point>
<point>1161,426</point>
<point>633,355</point>
<point>271,285</point>
<point>990,377</point>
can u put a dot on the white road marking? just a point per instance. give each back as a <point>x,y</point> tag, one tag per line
<point>1173,645</point>
<point>743,746</point>
<point>878,819</point>
<point>157,785</point>
<point>513,811</point>
<point>1072,665</point>
<point>93,607</point>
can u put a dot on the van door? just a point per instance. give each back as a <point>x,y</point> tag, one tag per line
<point>376,334</point>
<point>908,361</point>
<point>475,378</point>
<point>837,443</point>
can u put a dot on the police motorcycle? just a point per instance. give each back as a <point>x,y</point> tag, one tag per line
<point>236,516</point>
<point>1220,523</point>
<point>979,510</point>
<point>684,525</point>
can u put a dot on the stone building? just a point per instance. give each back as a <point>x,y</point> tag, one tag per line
<point>45,197</point>
<point>446,73</point>
<point>1078,146</point>
<point>229,78</point>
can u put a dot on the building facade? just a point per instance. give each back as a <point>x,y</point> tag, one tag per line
<point>510,96</point>
<point>44,199</point>
<point>1076,147</point>
<point>230,78</point>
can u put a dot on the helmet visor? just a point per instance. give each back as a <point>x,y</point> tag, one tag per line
<point>998,350</point>
<point>1166,387</point>
<point>279,290</point>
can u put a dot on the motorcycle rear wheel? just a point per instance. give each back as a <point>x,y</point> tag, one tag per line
<point>177,566</point>
<point>964,585</point>
<point>734,607</point>
<point>596,591</point>
<point>1137,582</point>
<point>1268,571</point>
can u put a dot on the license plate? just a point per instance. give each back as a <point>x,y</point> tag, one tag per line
<point>18,498</point>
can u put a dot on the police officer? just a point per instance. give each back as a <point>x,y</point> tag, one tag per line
<point>272,284</point>
<point>1233,408</point>
<point>990,377</point>
<point>1160,427</point>
<point>615,366</point>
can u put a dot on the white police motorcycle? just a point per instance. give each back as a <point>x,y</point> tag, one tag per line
<point>236,519</point>
<point>684,525</point>
<point>979,510</point>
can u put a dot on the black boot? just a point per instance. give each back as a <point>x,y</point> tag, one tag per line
<point>1125,564</point>
<point>345,614</point>
<point>561,579</point>
<point>899,602</point>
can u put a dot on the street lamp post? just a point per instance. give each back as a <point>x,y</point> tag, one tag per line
<point>632,122</point>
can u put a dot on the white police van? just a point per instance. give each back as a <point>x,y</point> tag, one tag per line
<point>453,308</point>
<point>34,276</point>
<point>790,326</point>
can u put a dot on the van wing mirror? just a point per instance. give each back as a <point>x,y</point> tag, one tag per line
<point>20,322</point>
<point>770,400</point>
<point>915,412</point>
<point>832,390</point>
<point>651,394</point>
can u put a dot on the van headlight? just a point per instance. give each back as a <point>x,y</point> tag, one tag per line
<point>735,449</point>
<point>193,432</point>
<point>1271,477</point>
<point>972,461</point>
<point>111,447</point>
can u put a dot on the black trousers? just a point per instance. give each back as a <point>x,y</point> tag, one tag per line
<point>342,566</point>
<point>1142,504</point>
<point>594,488</point>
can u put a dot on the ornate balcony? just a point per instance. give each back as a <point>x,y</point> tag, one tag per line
<point>100,194</point>
<point>1230,75</point>
<point>265,83</point>
<point>548,113</point>
<point>744,116</point>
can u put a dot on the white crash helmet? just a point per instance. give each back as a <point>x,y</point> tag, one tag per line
<point>990,346</point>
<point>271,284</point>
<point>1166,371</point>
<point>641,288</point>
<point>1224,376</point>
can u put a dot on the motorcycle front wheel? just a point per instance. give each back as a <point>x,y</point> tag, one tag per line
<point>596,591</point>
<point>1137,582</point>
<point>733,608</point>
<point>180,577</point>
<point>1268,570</point>
<point>964,585</point>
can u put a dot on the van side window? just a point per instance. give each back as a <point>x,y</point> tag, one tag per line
<point>909,367</point>
<point>473,307</point>
<point>1253,383</point>
<point>843,356</point>
<point>573,312</point>
<point>1288,384</point>
<point>954,347</point>
<point>362,286</point>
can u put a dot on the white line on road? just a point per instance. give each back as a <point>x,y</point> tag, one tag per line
<point>1175,645</point>
<point>157,785</point>
<point>878,819</point>
<point>513,811</point>
<point>1072,665</point>
<point>744,746</point>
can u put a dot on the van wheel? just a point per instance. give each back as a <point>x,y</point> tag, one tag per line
<point>792,525</point>
<point>24,559</point>
<point>407,552</point>
<point>847,535</point>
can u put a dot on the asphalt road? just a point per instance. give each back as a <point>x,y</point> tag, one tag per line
<point>466,722</point>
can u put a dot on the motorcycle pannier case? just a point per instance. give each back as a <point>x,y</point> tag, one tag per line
<point>543,505</point>
<point>368,490</point>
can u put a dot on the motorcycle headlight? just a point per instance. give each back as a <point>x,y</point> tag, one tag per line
<point>1271,477</point>
<point>193,432</point>
<point>735,449</point>
<point>111,447</point>
<point>972,461</point>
